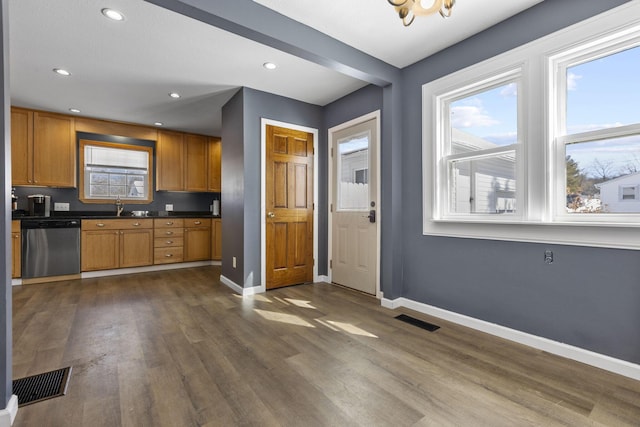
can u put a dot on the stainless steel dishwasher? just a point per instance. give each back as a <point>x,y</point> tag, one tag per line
<point>50,247</point>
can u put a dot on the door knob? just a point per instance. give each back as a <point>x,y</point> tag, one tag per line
<point>271,214</point>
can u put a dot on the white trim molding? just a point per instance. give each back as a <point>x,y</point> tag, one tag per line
<point>608,363</point>
<point>8,414</point>
<point>239,289</point>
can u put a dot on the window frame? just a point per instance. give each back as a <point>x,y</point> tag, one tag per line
<point>121,146</point>
<point>544,167</point>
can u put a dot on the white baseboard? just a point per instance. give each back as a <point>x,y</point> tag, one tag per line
<point>8,414</point>
<point>239,289</point>
<point>156,267</point>
<point>323,279</point>
<point>598,360</point>
<point>16,282</point>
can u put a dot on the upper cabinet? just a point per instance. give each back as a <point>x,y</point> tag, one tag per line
<point>170,161</point>
<point>184,162</point>
<point>214,183</point>
<point>43,149</point>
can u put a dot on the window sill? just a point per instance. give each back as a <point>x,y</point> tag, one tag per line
<point>619,236</point>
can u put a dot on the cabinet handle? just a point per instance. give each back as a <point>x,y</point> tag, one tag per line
<point>99,224</point>
<point>168,242</point>
<point>136,224</point>
<point>15,236</point>
<point>197,222</point>
<point>168,255</point>
<point>168,233</point>
<point>169,223</point>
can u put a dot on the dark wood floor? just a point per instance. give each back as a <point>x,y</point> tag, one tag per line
<point>177,348</point>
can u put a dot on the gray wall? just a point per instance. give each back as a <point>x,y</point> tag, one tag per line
<point>241,122</point>
<point>588,297</point>
<point>5,216</point>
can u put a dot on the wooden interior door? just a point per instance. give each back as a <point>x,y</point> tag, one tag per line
<point>289,207</point>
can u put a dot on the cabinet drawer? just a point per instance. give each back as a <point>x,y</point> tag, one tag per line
<point>116,224</point>
<point>168,232</point>
<point>15,226</point>
<point>197,222</point>
<point>167,255</point>
<point>168,223</point>
<point>168,242</point>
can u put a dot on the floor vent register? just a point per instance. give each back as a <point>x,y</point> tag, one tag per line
<point>37,388</point>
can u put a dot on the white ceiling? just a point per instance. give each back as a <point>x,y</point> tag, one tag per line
<point>125,70</point>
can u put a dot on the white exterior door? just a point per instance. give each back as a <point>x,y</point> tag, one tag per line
<point>354,206</point>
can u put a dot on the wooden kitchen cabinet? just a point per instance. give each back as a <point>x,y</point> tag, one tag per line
<point>215,165</point>
<point>181,162</point>
<point>197,239</point>
<point>16,250</point>
<point>216,239</point>
<point>170,161</point>
<point>168,242</point>
<point>43,149</point>
<point>196,162</point>
<point>117,243</point>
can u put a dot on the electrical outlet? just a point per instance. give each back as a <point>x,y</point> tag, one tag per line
<point>548,257</point>
<point>61,207</point>
<point>169,207</point>
<point>233,262</point>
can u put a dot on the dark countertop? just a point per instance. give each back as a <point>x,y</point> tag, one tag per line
<point>111,215</point>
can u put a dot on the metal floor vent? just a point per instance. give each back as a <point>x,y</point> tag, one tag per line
<point>417,322</point>
<point>41,386</point>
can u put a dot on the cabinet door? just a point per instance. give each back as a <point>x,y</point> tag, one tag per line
<point>100,250</point>
<point>197,244</point>
<point>215,165</point>
<point>169,161</point>
<point>136,248</point>
<point>216,239</point>
<point>21,147</point>
<point>54,150</point>
<point>196,165</point>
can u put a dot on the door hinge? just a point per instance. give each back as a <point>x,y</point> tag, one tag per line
<point>330,263</point>
<point>313,206</point>
<point>331,151</point>
<point>331,209</point>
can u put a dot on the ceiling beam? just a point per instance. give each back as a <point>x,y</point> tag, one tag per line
<point>255,22</point>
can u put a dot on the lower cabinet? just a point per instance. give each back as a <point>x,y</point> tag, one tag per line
<point>197,239</point>
<point>117,243</point>
<point>16,250</point>
<point>168,241</point>
<point>216,239</point>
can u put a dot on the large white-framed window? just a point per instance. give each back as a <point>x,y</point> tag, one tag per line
<point>573,153</point>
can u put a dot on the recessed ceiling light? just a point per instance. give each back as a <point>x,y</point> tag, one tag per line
<point>174,95</point>
<point>158,123</point>
<point>74,110</point>
<point>61,71</point>
<point>113,14</point>
<point>269,65</point>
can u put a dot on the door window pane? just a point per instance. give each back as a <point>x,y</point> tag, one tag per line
<point>353,170</point>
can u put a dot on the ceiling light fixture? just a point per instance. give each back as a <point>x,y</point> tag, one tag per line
<point>408,9</point>
<point>74,110</point>
<point>174,95</point>
<point>158,123</point>
<point>269,65</point>
<point>113,14</point>
<point>61,71</point>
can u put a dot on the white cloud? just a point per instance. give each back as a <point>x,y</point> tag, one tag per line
<point>466,116</point>
<point>572,81</point>
<point>509,91</point>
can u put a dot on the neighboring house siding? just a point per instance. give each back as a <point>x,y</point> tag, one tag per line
<point>615,199</point>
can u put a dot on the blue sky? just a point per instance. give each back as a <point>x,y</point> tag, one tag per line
<point>602,93</point>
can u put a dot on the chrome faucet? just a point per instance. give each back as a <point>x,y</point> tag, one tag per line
<point>119,206</point>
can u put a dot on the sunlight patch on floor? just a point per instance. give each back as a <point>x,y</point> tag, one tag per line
<point>283,318</point>
<point>351,329</point>
<point>300,303</point>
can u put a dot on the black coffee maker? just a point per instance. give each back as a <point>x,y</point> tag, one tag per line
<point>39,205</point>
